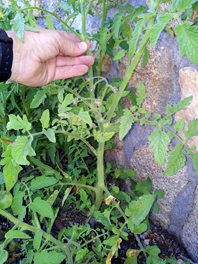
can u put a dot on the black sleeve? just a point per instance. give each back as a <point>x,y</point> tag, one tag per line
<point>6,56</point>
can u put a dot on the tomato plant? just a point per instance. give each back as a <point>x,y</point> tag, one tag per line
<point>5,200</point>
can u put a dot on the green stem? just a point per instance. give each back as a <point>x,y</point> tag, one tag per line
<point>59,19</point>
<point>100,169</point>
<point>128,74</point>
<point>140,244</point>
<point>79,184</point>
<point>33,229</point>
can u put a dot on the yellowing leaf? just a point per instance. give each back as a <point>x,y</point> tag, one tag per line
<point>132,253</point>
<point>119,241</point>
<point>109,257</point>
<point>109,199</point>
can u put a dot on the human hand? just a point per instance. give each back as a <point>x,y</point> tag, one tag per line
<point>48,56</point>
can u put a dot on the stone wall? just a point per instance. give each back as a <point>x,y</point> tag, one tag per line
<point>167,78</point>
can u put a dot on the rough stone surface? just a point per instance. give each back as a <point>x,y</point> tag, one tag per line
<point>188,80</point>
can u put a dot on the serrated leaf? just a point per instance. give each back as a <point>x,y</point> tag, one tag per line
<point>41,182</point>
<point>141,96</point>
<point>45,118</point>
<point>49,258</point>
<point>162,19</point>
<point>16,123</point>
<point>153,250</point>
<point>187,37</point>
<point>138,210</point>
<point>64,6</point>
<point>10,173</point>
<point>3,256</point>
<point>116,24</point>
<point>38,98</point>
<point>37,240</point>
<point>179,125</point>
<point>179,106</point>
<point>145,57</point>
<point>159,194</point>
<point>119,55</point>
<point>176,160</point>
<point>21,148</point>
<point>195,162</point>
<point>42,207</point>
<point>86,117</point>
<point>67,101</point>
<point>192,129</point>
<point>49,22</point>
<point>16,234</point>
<point>50,134</point>
<point>159,141</point>
<point>126,122</point>
<point>103,40</point>
<point>134,40</point>
<point>30,28</point>
<point>18,25</point>
<point>181,5</point>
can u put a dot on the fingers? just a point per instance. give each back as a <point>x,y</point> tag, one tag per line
<point>73,38</point>
<point>70,61</point>
<point>70,71</point>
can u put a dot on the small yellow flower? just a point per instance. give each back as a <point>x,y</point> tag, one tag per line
<point>109,199</point>
<point>2,15</point>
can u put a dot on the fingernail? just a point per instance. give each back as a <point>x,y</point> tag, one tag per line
<point>83,46</point>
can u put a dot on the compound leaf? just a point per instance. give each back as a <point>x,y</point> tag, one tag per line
<point>192,129</point>
<point>159,142</point>
<point>125,124</point>
<point>187,37</point>
<point>176,160</point>
<point>16,123</point>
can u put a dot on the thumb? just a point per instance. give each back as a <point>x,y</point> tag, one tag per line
<point>71,48</point>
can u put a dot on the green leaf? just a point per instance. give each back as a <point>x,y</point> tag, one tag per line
<point>176,160</point>
<point>67,101</point>
<point>30,28</point>
<point>187,37</point>
<point>83,195</point>
<point>18,25</point>
<point>179,125</point>
<point>42,207</point>
<point>195,162</point>
<point>103,40</point>
<point>140,229</point>
<point>138,210</point>
<point>45,118</point>
<point>16,234</point>
<point>155,207</point>
<point>126,122</point>
<point>153,251</point>
<point>159,194</point>
<point>116,24</point>
<point>49,258</point>
<point>64,6</point>
<point>181,5</point>
<point>85,117</point>
<point>2,180</point>
<point>10,173</point>
<point>50,134</point>
<point>162,19</point>
<point>119,55</point>
<point>37,240</point>
<point>192,129</point>
<point>159,141</point>
<point>127,173</point>
<point>141,91</point>
<point>179,106</point>
<point>134,39</point>
<point>16,123</point>
<point>21,148</point>
<point>3,256</point>
<point>17,203</point>
<point>38,98</point>
<point>42,182</point>
<point>103,137</point>
<point>49,22</point>
<point>145,57</point>
<point>144,185</point>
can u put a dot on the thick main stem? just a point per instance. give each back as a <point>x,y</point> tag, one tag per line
<point>100,171</point>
